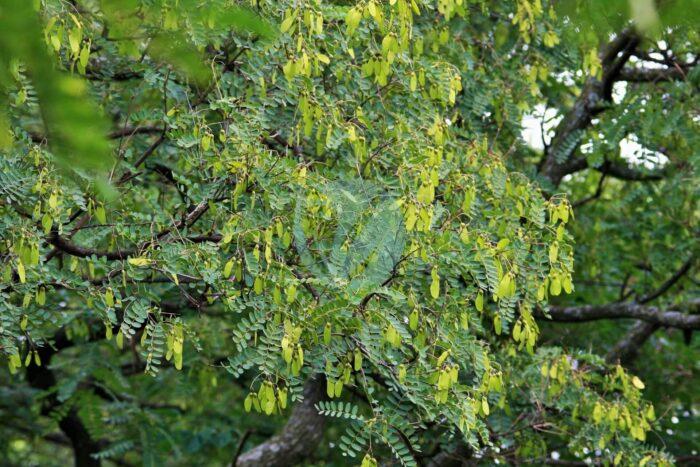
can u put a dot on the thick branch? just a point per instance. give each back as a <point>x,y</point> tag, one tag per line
<point>277,140</point>
<point>596,94</point>
<point>627,348</point>
<point>65,245</point>
<point>650,314</point>
<point>125,75</point>
<point>299,437</point>
<point>625,172</point>
<point>612,169</point>
<point>116,134</point>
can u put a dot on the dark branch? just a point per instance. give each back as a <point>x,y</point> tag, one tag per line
<point>65,245</point>
<point>276,141</point>
<point>146,154</point>
<point>124,75</point>
<point>241,442</point>
<point>669,283</point>
<point>595,96</point>
<point>116,134</point>
<point>625,172</point>
<point>626,350</point>
<point>135,130</point>
<point>594,196</point>
<point>44,379</point>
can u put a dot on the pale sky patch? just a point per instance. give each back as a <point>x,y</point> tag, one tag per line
<point>542,121</point>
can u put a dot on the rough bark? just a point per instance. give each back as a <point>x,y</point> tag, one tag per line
<point>299,437</point>
<point>627,349</point>
<point>560,160</point>
<point>630,310</point>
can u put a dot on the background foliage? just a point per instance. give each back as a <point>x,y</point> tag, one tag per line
<point>267,232</point>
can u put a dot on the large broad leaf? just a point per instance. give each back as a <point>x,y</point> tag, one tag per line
<point>603,17</point>
<point>75,127</point>
<point>168,41</point>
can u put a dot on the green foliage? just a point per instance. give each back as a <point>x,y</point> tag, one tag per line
<point>339,409</point>
<point>332,190</point>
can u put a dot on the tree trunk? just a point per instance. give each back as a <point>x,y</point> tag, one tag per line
<point>299,437</point>
<point>43,378</point>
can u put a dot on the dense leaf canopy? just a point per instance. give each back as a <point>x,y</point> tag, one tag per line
<point>269,232</point>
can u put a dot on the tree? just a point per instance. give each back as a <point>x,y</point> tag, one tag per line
<point>234,230</point>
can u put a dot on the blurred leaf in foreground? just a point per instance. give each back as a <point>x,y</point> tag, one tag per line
<point>75,128</point>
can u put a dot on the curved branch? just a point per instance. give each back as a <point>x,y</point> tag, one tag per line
<point>65,245</point>
<point>626,350</point>
<point>72,249</point>
<point>594,196</point>
<point>669,283</point>
<point>44,379</point>
<point>625,172</point>
<point>596,94</point>
<point>650,314</point>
